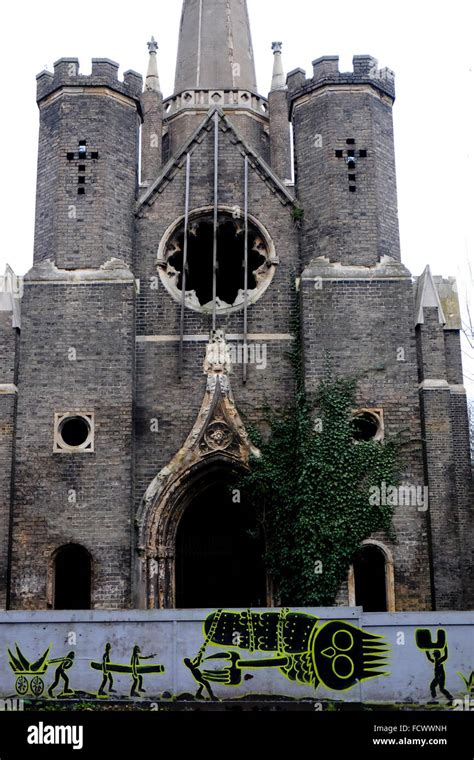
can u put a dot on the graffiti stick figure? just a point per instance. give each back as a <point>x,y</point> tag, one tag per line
<point>137,678</point>
<point>438,658</point>
<point>107,675</point>
<point>64,663</point>
<point>193,666</point>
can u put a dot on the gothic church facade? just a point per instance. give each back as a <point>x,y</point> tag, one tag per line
<point>155,325</point>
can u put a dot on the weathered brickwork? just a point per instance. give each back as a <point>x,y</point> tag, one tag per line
<point>8,378</point>
<point>101,326</point>
<point>446,438</point>
<point>366,330</point>
<point>252,127</point>
<point>81,359</point>
<point>7,429</point>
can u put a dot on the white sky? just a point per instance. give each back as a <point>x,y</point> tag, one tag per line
<point>427,43</point>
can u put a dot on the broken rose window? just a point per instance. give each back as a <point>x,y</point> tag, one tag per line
<point>230,275</point>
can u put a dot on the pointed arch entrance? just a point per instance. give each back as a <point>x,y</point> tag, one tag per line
<point>204,550</point>
<point>195,546</point>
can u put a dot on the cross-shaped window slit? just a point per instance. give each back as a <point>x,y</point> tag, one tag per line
<point>351,155</point>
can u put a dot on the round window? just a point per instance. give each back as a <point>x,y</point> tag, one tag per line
<point>74,432</point>
<point>367,426</point>
<point>230,271</point>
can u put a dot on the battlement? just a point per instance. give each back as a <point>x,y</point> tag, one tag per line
<point>104,74</point>
<point>326,72</point>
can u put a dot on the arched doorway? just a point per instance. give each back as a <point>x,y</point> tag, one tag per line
<point>219,552</point>
<point>370,579</point>
<point>72,578</point>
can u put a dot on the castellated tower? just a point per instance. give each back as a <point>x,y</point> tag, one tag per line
<point>345,162</point>
<point>87,164</point>
<point>73,468</point>
<point>156,328</point>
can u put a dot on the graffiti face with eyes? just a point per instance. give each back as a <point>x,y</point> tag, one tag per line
<point>343,655</point>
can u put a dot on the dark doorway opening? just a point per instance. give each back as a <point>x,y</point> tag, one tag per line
<point>72,578</point>
<point>370,579</point>
<point>219,553</point>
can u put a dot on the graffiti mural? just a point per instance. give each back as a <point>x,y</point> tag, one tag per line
<point>64,664</point>
<point>134,668</point>
<point>29,676</point>
<point>335,655</point>
<point>238,654</point>
<point>107,673</point>
<point>436,652</point>
<point>469,682</point>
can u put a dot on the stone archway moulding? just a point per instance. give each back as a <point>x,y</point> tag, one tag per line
<point>219,443</point>
<point>389,576</point>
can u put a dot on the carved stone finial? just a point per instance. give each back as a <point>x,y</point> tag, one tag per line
<point>152,45</point>
<point>277,47</point>
<point>218,359</point>
<point>152,81</point>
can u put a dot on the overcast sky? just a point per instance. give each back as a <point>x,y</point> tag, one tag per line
<point>427,44</point>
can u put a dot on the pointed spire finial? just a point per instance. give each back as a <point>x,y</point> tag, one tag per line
<point>278,79</point>
<point>428,297</point>
<point>152,81</point>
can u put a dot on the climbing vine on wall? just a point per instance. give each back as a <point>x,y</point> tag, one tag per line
<point>311,488</point>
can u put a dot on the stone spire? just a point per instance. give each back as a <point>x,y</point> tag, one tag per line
<point>152,128</point>
<point>152,81</point>
<point>215,47</point>
<point>279,126</point>
<point>278,79</point>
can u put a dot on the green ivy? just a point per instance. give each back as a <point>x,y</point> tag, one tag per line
<point>310,487</point>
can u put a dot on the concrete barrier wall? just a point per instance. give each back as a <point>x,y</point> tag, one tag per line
<point>339,653</point>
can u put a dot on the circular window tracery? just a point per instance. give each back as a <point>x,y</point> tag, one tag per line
<point>230,274</point>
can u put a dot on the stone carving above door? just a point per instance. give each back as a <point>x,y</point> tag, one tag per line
<point>217,433</point>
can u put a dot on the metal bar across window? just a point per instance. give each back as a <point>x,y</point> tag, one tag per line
<point>216,202</point>
<point>246,265</point>
<point>185,265</point>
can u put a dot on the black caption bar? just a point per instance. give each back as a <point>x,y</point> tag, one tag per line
<point>89,734</point>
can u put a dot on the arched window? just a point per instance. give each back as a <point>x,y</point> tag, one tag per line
<point>72,578</point>
<point>371,582</point>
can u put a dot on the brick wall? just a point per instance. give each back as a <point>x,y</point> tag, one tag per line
<point>8,377</point>
<point>97,322</point>
<point>362,325</point>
